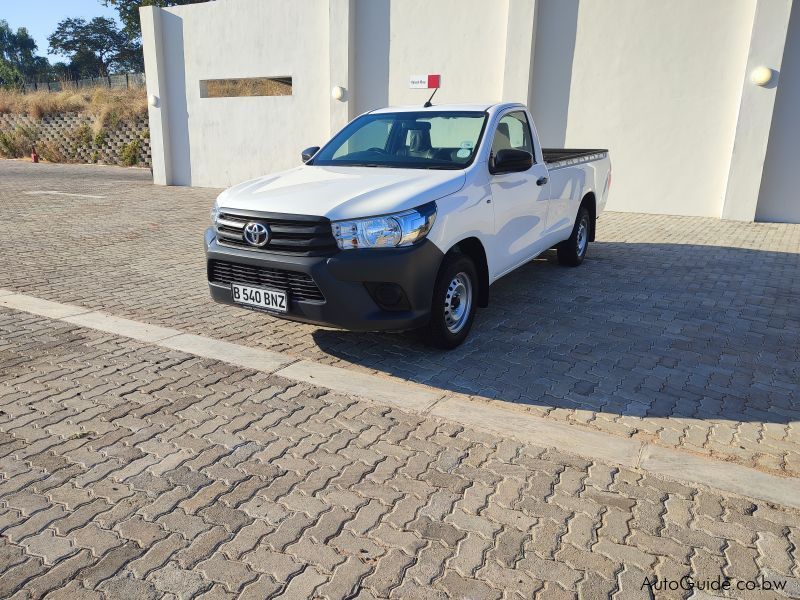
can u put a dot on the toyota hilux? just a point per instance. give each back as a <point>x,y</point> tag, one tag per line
<point>404,219</point>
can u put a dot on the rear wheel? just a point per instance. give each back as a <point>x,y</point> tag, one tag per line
<point>453,307</point>
<point>572,251</point>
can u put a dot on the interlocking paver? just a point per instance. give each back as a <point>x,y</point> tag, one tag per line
<point>180,582</point>
<point>302,585</point>
<point>124,586</point>
<point>231,573</point>
<point>49,546</point>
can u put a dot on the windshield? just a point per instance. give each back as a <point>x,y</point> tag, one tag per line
<point>409,140</point>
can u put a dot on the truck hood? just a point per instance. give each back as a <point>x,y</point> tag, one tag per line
<point>342,192</point>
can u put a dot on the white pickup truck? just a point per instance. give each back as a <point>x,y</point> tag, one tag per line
<point>404,219</point>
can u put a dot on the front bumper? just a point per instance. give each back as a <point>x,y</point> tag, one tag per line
<point>343,280</point>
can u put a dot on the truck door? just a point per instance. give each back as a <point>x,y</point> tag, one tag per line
<point>520,200</point>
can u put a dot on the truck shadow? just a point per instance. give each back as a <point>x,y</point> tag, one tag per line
<point>645,330</point>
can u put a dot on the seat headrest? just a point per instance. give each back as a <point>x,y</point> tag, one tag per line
<point>419,140</point>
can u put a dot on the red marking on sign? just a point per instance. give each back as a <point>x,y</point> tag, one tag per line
<point>434,81</point>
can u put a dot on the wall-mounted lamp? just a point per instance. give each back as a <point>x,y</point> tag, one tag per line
<point>152,100</point>
<point>338,93</point>
<point>761,76</point>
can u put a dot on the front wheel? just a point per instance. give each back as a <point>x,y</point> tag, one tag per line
<point>572,251</point>
<point>453,307</point>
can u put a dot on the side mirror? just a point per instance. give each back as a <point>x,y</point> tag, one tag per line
<point>307,154</point>
<point>510,160</point>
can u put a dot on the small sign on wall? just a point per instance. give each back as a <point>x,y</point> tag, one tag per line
<point>425,82</point>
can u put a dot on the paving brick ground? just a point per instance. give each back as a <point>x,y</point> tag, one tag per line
<point>682,330</point>
<point>131,471</point>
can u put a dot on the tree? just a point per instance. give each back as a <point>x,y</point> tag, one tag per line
<point>10,76</point>
<point>17,55</point>
<point>129,12</point>
<point>96,47</point>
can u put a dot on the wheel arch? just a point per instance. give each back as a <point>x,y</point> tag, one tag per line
<point>473,248</point>
<point>590,202</point>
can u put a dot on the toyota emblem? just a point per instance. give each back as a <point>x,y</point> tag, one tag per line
<point>256,234</point>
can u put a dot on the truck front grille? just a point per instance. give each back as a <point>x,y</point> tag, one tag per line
<point>289,234</point>
<point>299,285</point>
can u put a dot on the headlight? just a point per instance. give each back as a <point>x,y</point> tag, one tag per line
<point>400,229</point>
<point>214,213</point>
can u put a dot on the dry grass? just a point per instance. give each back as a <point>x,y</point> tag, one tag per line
<point>257,86</point>
<point>104,105</point>
<point>52,152</point>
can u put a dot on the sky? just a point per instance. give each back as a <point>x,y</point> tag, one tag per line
<point>42,16</point>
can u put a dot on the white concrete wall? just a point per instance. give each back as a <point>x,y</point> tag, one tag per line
<point>664,85</point>
<point>658,83</point>
<point>221,141</point>
<point>464,40</point>
<point>779,199</point>
<point>371,55</point>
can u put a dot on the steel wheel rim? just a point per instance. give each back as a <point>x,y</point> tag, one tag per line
<point>457,302</point>
<point>583,237</point>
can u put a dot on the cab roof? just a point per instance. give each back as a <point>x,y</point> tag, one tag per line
<point>446,107</point>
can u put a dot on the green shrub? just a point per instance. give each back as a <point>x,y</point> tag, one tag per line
<point>82,135</point>
<point>130,153</point>
<point>100,137</point>
<point>93,158</point>
<point>113,119</point>
<point>8,145</point>
<point>19,142</point>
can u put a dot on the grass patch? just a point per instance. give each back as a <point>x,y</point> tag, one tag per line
<point>51,152</point>
<point>253,86</point>
<point>104,105</point>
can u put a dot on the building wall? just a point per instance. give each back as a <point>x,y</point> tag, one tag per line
<point>217,142</point>
<point>779,199</point>
<point>371,55</point>
<point>658,83</point>
<point>464,40</point>
<point>664,85</point>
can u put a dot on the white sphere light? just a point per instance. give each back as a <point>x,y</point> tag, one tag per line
<point>761,75</point>
<point>152,100</point>
<point>337,93</point>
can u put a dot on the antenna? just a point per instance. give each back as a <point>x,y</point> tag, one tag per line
<point>428,103</point>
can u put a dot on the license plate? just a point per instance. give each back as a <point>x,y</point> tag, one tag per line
<point>260,297</point>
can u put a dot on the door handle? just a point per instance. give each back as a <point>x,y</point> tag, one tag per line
<point>541,181</point>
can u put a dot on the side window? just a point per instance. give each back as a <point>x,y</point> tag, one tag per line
<point>513,132</point>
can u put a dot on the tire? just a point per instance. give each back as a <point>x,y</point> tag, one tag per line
<point>453,307</point>
<point>572,251</point>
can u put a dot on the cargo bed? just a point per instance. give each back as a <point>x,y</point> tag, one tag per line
<point>562,157</point>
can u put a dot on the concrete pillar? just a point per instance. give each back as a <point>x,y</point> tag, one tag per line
<point>341,28</point>
<point>767,43</point>
<point>520,35</point>
<point>154,67</point>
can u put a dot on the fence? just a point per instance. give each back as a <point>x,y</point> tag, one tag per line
<point>120,80</point>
